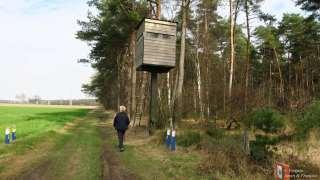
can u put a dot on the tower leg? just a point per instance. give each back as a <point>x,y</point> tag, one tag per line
<point>153,113</point>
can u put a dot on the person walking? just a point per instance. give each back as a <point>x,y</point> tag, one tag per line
<point>120,123</point>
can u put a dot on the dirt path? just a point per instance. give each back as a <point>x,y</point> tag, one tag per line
<point>84,151</point>
<point>111,165</point>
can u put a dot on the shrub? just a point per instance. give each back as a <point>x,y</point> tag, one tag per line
<point>188,138</point>
<point>269,121</point>
<point>266,119</point>
<point>225,156</point>
<point>259,150</point>
<point>215,133</point>
<point>309,119</point>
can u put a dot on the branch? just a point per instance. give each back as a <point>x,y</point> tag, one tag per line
<point>152,1</point>
<point>124,9</point>
<point>188,3</point>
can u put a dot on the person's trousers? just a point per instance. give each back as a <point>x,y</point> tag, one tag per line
<point>120,137</point>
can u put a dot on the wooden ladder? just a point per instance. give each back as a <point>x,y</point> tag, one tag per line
<point>138,112</point>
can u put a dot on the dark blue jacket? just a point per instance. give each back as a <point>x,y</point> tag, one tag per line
<point>121,121</point>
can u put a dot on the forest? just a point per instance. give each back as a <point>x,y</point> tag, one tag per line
<point>244,70</point>
<point>225,75</point>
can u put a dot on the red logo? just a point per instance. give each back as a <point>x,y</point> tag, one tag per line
<point>282,171</point>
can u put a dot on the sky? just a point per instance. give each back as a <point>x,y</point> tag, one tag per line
<point>39,51</point>
<point>279,7</point>
<point>274,7</point>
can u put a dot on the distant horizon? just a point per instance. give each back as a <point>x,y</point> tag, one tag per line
<point>43,99</point>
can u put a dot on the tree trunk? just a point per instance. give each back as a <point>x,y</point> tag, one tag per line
<point>231,52</point>
<point>153,108</point>
<point>247,57</point>
<point>199,83</point>
<point>207,64</point>
<point>178,94</point>
<point>119,82</point>
<point>280,75</point>
<point>169,100</point>
<point>158,9</point>
<point>290,91</point>
<point>236,6</point>
<point>133,76</point>
<point>182,49</point>
<point>224,87</point>
<point>142,93</point>
<point>153,113</point>
<point>270,83</point>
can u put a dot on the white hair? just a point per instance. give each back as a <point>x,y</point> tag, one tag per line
<point>122,108</point>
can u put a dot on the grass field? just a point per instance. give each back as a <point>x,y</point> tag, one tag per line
<point>34,122</point>
<point>40,130</point>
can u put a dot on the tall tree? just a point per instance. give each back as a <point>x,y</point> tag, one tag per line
<point>198,70</point>
<point>248,54</point>
<point>231,71</point>
<point>250,7</point>
<point>180,77</point>
<point>109,33</point>
<point>310,5</point>
<point>269,44</point>
<point>300,36</point>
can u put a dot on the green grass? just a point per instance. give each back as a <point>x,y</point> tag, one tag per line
<point>73,154</point>
<point>78,152</point>
<point>33,124</point>
<point>154,161</point>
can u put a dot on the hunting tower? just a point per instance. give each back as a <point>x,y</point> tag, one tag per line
<point>156,46</point>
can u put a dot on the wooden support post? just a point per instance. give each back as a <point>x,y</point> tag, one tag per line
<point>153,113</point>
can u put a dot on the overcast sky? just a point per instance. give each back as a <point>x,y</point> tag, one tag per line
<point>39,52</point>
